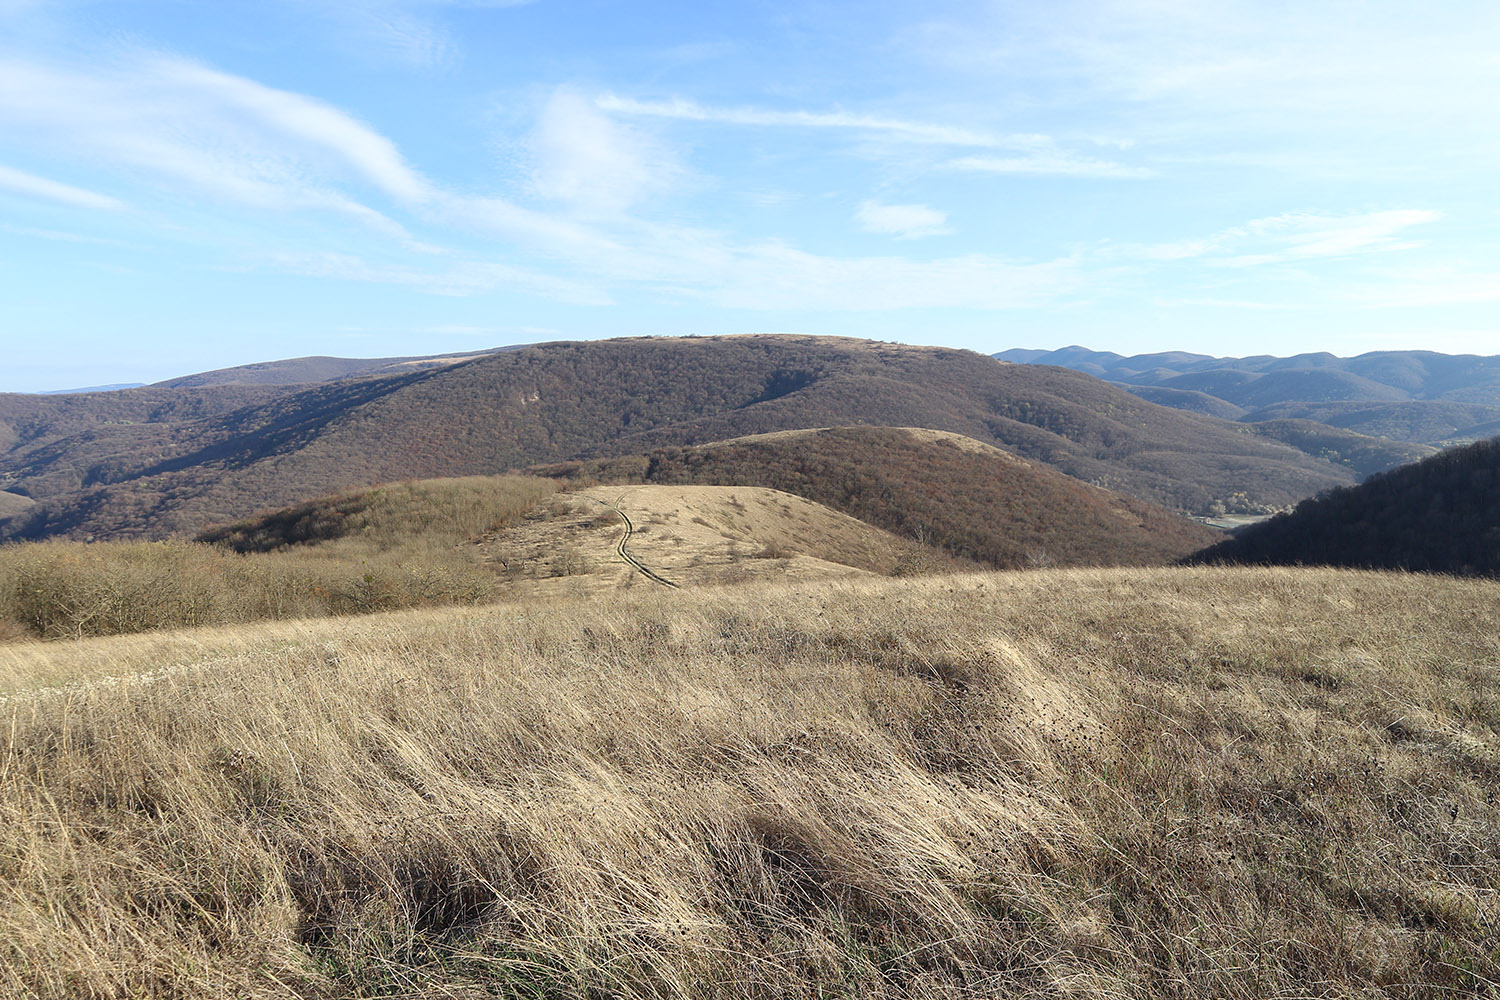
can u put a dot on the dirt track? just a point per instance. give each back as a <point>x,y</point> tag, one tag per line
<point>623,552</point>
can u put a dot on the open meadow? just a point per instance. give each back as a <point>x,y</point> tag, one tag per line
<point>1138,783</point>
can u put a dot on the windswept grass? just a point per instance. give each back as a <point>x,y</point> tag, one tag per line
<point>390,547</point>
<point>1187,783</point>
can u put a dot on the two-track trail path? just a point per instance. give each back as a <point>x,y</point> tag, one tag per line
<point>623,552</point>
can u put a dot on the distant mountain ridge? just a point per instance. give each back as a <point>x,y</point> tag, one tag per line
<point>92,388</point>
<point>1420,396</point>
<point>302,371</point>
<point>154,461</point>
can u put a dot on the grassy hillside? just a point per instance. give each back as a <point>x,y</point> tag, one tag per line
<point>1441,514</point>
<point>297,371</point>
<point>12,503</point>
<point>692,536</point>
<point>573,400</point>
<point>1166,783</point>
<point>58,445</point>
<point>968,498</point>
<point>1191,400</point>
<point>1250,390</point>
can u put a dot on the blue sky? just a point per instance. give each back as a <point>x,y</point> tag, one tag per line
<point>188,185</point>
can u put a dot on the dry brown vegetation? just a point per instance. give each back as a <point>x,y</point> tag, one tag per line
<point>396,546</point>
<point>1131,783</point>
<point>438,542</point>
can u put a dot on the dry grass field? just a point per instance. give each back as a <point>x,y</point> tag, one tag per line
<point>973,500</point>
<point>1121,783</point>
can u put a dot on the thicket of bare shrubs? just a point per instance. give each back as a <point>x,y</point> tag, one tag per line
<point>1186,783</point>
<point>395,546</point>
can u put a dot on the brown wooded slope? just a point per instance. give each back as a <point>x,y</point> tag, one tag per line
<point>1439,515</point>
<point>566,400</point>
<point>969,498</point>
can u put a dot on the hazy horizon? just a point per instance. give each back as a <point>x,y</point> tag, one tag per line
<point>106,386</point>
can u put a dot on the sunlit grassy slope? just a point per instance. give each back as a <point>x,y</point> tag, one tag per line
<point>1181,782</point>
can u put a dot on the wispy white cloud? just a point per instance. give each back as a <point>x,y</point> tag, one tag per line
<point>1291,237</point>
<point>901,221</point>
<point>773,276</point>
<point>409,32</point>
<point>63,237</point>
<point>589,161</point>
<point>462,278</point>
<point>1049,164</point>
<point>1210,302</point>
<point>1425,285</point>
<point>178,123</point>
<point>184,124</point>
<point>192,128</point>
<point>1302,237</point>
<point>317,126</point>
<point>1031,153</point>
<point>1289,82</point>
<point>911,131</point>
<point>14,181</point>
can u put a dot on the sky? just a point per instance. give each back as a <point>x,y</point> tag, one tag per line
<point>187,186</point>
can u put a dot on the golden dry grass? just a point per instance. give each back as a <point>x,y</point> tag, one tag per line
<point>926,434</point>
<point>695,536</point>
<point>1190,783</point>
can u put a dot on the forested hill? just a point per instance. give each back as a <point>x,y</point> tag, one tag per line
<point>565,400</point>
<point>1440,515</point>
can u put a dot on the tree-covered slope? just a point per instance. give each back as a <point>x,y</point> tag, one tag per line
<point>1441,515</point>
